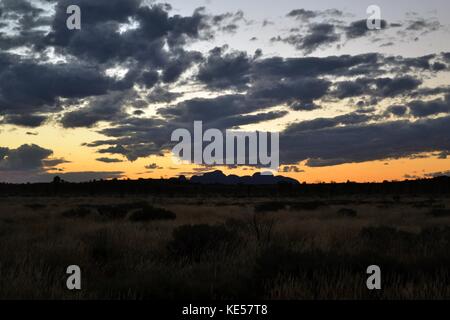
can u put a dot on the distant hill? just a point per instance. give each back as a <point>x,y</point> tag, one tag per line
<point>218,177</point>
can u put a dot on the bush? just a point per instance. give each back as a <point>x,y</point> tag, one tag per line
<point>197,241</point>
<point>79,212</point>
<point>150,213</point>
<point>112,212</point>
<point>347,212</point>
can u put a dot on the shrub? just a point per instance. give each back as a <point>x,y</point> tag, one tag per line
<point>346,212</point>
<point>196,241</point>
<point>150,213</point>
<point>112,212</point>
<point>79,212</point>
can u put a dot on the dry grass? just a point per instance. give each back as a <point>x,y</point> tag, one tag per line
<point>295,252</point>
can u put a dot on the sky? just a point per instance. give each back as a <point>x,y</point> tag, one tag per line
<point>101,102</point>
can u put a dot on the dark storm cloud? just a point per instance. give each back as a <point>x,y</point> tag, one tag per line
<point>423,25</point>
<point>426,108</point>
<point>364,142</point>
<point>302,14</point>
<point>318,35</point>
<point>438,174</point>
<point>25,120</point>
<point>209,110</point>
<point>223,70</point>
<point>303,106</point>
<point>306,15</point>
<point>103,108</point>
<point>178,64</point>
<point>314,66</point>
<point>291,169</point>
<point>397,110</point>
<point>359,28</point>
<point>24,158</point>
<point>53,162</point>
<point>378,87</point>
<point>325,28</point>
<point>160,94</point>
<point>241,120</point>
<point>109,160</point>
<point>8,7</point>
<point>387,87</point>
<point>303,89</point>
<point>100,40</point>
<point>321,123</point>
<point>27,87</point>
<point>411,64</point>
<point>296,82</point>
<point>153,166</point>
<point>24,14</point>
<point>347,89</point>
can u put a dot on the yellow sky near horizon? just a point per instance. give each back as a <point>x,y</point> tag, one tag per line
<point>67,144</point>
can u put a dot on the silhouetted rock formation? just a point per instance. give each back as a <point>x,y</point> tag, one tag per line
<point>218,177</point>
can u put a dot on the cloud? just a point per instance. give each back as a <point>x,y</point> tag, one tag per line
<point>223,70</point>
<point>359,28</point>
<point>27,87</point>
<point>319,35</point>
<point>397,110</point>
<point>24,158</point>
<point>153,166</point>
<point>49,163</point>
<point>437,174</point>
<point>306,15</point>
<point>292,169</point>
<point>423,25</point>
<point>65,76</point>
<point>426,108</point>
<point>32,163</point>
<point>377,87</point>
<point>302,14</point>
<point>160,94</point>
<point>109,160</point>
<point>102,108</point>
<point>327,144</point>
<point>25,120</point>
<point>295,82</point>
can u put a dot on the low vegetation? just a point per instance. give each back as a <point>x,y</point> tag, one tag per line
<point>244,248</point>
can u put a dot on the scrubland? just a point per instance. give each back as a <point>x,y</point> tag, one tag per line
<point>224,248</point>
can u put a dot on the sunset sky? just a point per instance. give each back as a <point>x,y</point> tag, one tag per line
<point>101,102</point>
